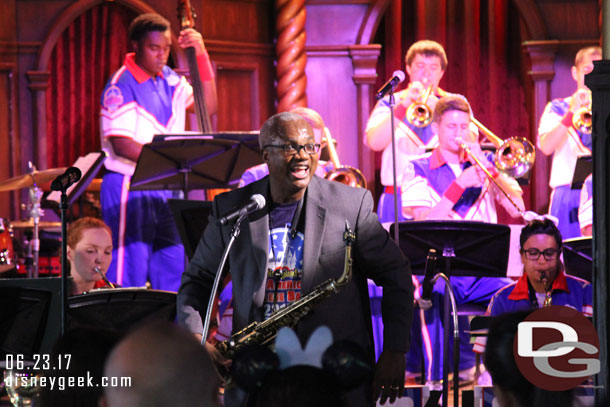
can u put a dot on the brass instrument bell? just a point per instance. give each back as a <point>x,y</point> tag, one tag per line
<point>583,120</point>
<point>419,114</point>
<point>342,173</point>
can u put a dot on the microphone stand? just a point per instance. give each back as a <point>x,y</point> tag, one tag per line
<point>234,234</point>
<point>449,300</point>
<point>394,183</point>
<point>63,207</point>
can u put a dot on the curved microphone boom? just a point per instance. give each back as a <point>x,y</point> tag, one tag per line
<point>65,180</point>
<point>397,77</point>
<point>257,201</point>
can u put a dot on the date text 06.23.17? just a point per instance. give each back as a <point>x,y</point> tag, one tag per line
<point>42,361</point>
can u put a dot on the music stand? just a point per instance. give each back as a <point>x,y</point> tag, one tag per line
<point>481,249</point>
<point>584,167</point>
<point>121,309</point>
<point>200,161</point>
<point>89,166</point>
<point>30,310</point>
<point>469,248</point>
<point>191,218</point>
<point>578,257</point>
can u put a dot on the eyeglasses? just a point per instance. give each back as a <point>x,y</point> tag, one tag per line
<point>534,254</point>
<point>294,149</point>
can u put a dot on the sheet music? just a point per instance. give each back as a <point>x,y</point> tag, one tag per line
<point>86,164</point>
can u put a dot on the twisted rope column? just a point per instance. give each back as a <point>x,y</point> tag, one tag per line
<point>291,57</point>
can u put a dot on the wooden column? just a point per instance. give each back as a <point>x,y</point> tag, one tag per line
<point>542,72</point>
<point>364,60</point>
<point>39,82</point>
<point>291,57</point>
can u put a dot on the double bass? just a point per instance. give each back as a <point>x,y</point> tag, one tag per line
<point>186,16</point>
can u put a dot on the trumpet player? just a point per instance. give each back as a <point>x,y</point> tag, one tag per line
<point>444,184</point>
<point>560,136</point>
<point>425,62</point>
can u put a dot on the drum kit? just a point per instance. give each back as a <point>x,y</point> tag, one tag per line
<point>26,260</point>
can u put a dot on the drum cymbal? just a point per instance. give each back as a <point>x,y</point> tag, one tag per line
<point>27,180</point>
<point>29,223</point>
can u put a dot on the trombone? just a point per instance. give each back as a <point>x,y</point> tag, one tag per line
<point>342,173</point>
<point>514,157</point>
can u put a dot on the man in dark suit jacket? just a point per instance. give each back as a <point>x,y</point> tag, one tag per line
<point>273,263</point>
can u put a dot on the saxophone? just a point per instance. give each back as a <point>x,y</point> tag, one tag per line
<point>262,333</point>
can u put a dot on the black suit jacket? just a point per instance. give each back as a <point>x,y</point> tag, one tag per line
<point>327,206</point>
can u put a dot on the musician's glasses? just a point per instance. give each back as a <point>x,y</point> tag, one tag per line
<point>534,254</point>
<point>294,149</point>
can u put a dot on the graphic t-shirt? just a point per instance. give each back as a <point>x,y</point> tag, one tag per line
<point>285,260</point>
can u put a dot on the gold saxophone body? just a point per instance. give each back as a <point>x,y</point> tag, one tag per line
<point>262,333</point>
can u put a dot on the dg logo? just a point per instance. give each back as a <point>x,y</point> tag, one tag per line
<point>556,348</point>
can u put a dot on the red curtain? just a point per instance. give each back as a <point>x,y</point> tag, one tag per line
<point>483,45</point>
<point>85,56</point>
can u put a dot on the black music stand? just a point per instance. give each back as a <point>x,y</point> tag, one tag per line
<point>584,167</point>
<point>121,309</point>
<point>468,248</point>
<point>191,218</point>
<point>198,161</point>
<point>480,248</point>
<point>578,257</point>
<point>30,310</point>
<point>89,166</point>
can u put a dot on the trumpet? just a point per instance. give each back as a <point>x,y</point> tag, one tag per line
<point>419,114</point>
<point>342,173</point>
<point>514,157</point>
<point>583,119</point>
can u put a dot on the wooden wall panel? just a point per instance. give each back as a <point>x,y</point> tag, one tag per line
<point>244,80</point>
<point>8,135</point>
<point>8,105</point>
<point>574,20</point>
<point>332,90</point>
<point>250,21</point>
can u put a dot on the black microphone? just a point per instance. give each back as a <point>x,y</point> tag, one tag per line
<point>427,286</point>
<point>397,77</point>
<point>63,182</point>
<point>257,201</point>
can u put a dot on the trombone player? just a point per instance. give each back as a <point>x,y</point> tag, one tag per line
<point>563,132</point>
<point>446,184</point>
<point>425,62</point>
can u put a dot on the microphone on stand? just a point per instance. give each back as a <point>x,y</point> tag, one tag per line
<point>65,180</point>
<point>397,77</point>
<point>425,301</point>
<point>257,201</point>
